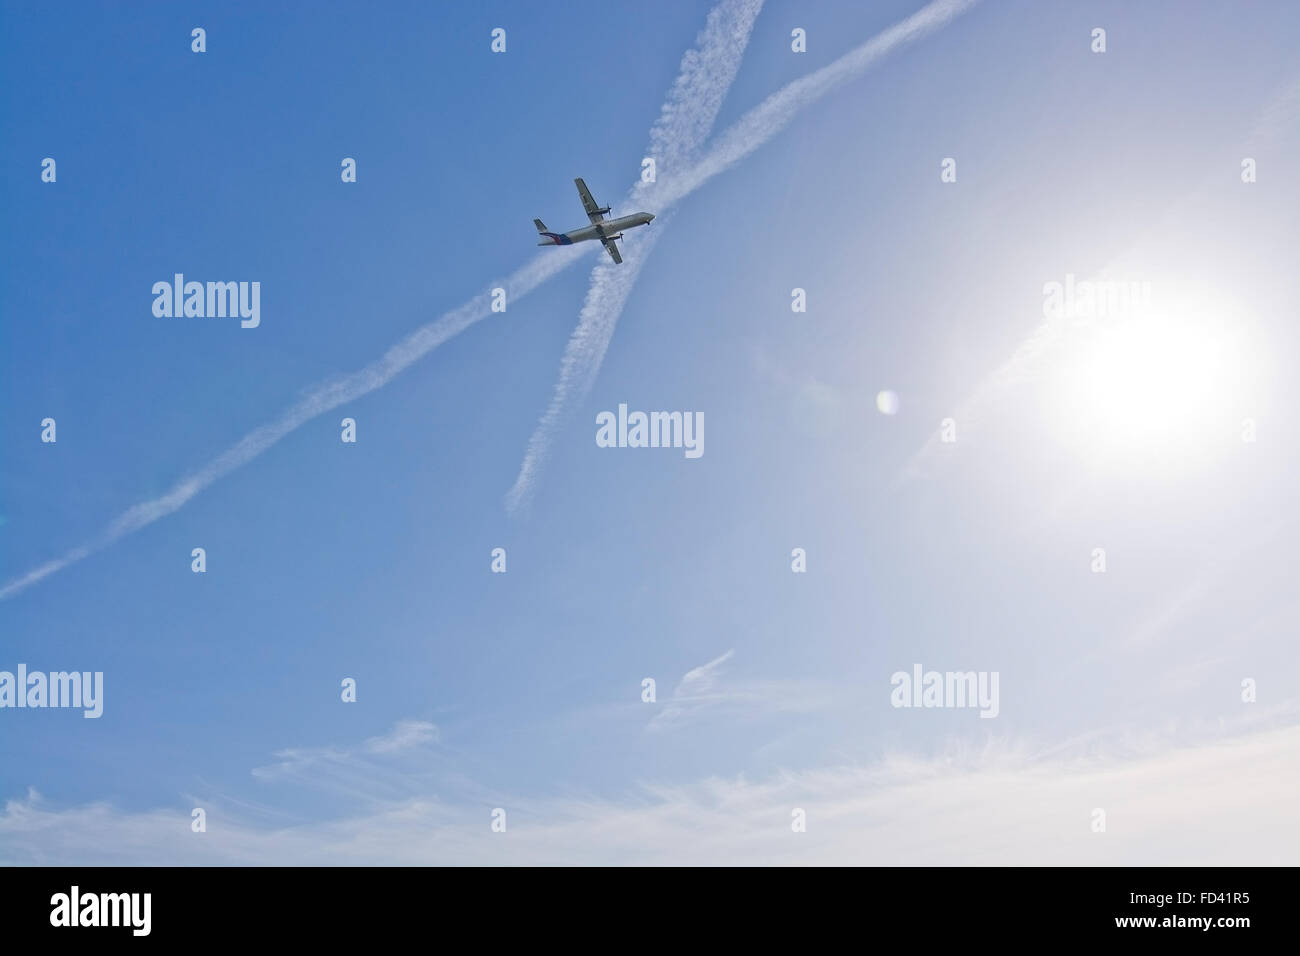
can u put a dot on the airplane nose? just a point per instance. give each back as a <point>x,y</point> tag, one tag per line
<point>651,219</point>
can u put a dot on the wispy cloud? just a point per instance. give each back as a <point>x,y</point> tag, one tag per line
<point>404,735</point>
<point>610,285</point>
<point>701,679</point>
<point>382,769</point>
<point>407,734</point>
<point>703,691</point>
<point>994,805</point>
<point>691,691</point>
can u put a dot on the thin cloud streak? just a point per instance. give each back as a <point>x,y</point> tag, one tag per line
<point>701,692</point>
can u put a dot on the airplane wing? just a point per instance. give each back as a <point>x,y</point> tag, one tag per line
<point>612,249</point>
<point>594,213</point>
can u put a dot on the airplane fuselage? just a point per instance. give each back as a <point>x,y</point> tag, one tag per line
<point>608,228</point>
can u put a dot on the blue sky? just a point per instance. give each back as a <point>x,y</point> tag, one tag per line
<point>522,690</point>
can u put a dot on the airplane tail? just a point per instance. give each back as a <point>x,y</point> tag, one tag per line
<point>549,238</point>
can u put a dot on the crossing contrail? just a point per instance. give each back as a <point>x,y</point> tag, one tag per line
<point>684,124</point>
<point>611,285</point>
<point>692,102</point>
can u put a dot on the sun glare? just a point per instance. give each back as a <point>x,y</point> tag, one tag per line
<point>1159,388</point>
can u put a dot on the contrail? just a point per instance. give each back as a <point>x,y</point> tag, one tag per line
<point>775,113</point>
<point>693,100</point>
<point>319,400</point>
<point>611,285</point>
<point>684,123</point>
<point>735,144</point>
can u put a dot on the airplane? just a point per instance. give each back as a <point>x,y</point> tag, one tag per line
<point>606,230</point>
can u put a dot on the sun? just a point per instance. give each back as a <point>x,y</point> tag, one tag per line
<point>1157,389</point>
